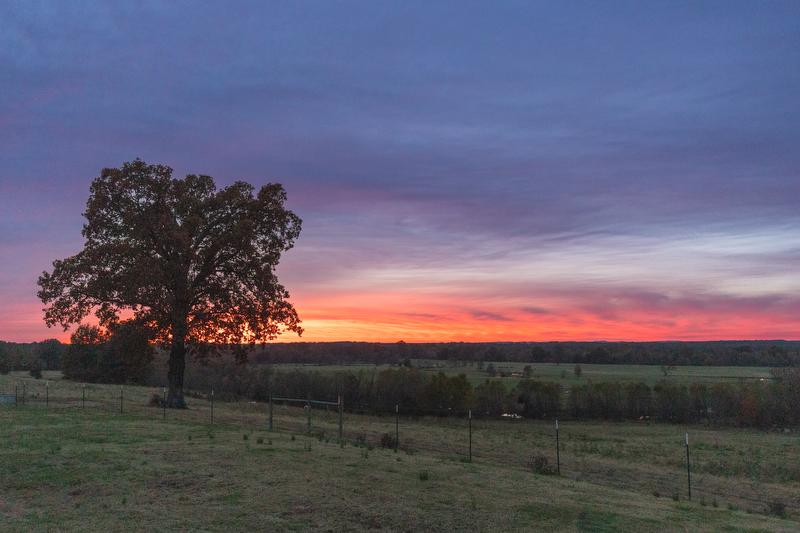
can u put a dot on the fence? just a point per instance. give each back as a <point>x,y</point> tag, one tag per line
<point>601,453</point>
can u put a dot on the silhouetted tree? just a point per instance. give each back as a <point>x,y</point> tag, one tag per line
<point>49,353</point>
<point>35,369</point>
<point>194,264</point>
<point>80,362</point>
<point>5,360</point>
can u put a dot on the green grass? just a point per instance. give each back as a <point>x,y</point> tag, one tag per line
<point>65,468</point>
<point>564,373</point>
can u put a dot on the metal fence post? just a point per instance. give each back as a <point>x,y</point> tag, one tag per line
<point>341,417</point>
<point>163,403</point>
<point>308,411</point>
<point>396,426</point>
<point>688,467</point>
<point>558,452</point>
<point>212,406</point>
<point>270,412</point>
<point>16,394</point>
<point>121,400</point>
<point>83,398</point>
<point>470,435</point>
<point>46,394</point>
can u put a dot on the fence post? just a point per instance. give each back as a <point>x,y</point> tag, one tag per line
<point>163,403</point>
<point>16,394</point>
<point>341,418</point>
<point>270,412</point>
<point>688,467</point>
<point>558,452</point>
<point>470,435</point>
<point>46,394</point>
<point>24,393</point>
<point>212,406</point>
<point>308,411</point>
<point>83,398</point>
<point>121,400</point>
<point>396,426</point>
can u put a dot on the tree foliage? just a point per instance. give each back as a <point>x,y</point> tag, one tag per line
<point>193,264</point>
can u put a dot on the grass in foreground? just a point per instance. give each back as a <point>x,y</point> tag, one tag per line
<point>70,469</point>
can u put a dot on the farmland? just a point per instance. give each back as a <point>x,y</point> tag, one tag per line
<point>65,463</point>
<point>565,373</point>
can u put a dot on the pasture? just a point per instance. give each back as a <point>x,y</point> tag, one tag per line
<point>565,373</point>
<point>66,464</point>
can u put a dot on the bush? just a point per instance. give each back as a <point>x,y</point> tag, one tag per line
<point>777,508</point>
<point>424,476</point>
<point>35,369</point>
<point>539,464</point>
<point>388,441</point>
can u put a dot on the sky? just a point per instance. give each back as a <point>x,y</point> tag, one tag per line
<point>465,171</point>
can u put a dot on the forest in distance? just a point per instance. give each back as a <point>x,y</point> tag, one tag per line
<point>772,353</point>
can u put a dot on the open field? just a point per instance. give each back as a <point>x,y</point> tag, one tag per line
<point>564,373</point>
<point>92,468</point>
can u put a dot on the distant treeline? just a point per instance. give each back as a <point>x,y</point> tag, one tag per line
<point>762,404</point>
<point>48,354</point>
<point>712,353</point>
<point>31,356</point>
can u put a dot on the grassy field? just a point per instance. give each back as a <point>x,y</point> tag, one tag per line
<point>565,374</point>
<point>64,467</point>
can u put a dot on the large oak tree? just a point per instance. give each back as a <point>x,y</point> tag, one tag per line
<point>194,264</point>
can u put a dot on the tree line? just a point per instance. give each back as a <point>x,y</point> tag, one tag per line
<point>47,354</point>
<point>760,404</point>
<point>711,353</point>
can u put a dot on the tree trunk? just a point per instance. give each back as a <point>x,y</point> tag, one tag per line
<point>177,365</point>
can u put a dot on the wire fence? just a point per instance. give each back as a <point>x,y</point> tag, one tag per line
<point>650,461</point>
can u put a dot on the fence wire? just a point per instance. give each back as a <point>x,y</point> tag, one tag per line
<point>581,459</point>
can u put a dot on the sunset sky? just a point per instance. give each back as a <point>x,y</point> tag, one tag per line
<point>465,171</point>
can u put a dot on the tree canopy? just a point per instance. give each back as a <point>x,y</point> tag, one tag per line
<point>193,264</point>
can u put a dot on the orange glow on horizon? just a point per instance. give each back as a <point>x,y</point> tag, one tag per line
<point>414,317</point>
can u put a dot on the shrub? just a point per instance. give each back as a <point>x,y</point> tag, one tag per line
<point>388,441</point>
<point>155,400</point>
<point>539,464</point>
<point>35,369</point>
<point>777,508</point>
<point>424,476</point>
